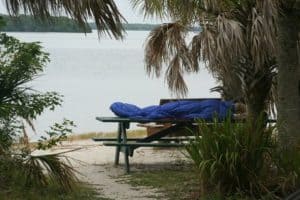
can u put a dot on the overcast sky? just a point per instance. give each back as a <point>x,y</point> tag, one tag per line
<point>132,16</point>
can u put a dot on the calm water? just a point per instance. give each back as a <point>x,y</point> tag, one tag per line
<point>91,74</point>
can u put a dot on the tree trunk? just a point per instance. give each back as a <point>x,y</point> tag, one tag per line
<point>232,87</point>
<point>289,78</point>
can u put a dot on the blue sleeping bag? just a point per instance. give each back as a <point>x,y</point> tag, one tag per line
<point>206,109</point>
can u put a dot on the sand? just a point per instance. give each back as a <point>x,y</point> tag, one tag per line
<point>95,164</point>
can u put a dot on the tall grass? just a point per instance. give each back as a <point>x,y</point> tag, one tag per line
<point>239,158</point>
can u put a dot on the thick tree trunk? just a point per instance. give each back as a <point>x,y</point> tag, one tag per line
<point>289,78</point>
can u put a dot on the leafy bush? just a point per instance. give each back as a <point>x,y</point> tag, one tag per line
<point>241,158</point>
<point>20,63</point>
<point>57,134</point>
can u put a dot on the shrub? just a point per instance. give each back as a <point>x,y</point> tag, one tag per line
<point>242,158</point>
<point>287,162</point>
<point>20,63</point>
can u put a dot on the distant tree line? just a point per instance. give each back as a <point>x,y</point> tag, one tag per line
<point>25,23</point>
<point>133,27</point>
<point>141,27</point>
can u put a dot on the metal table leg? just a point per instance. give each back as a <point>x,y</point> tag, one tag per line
<point>118,148</point>
<point>126,149</point>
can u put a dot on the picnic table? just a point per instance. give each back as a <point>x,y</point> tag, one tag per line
<point>157,138</point>
<point>128,145</point>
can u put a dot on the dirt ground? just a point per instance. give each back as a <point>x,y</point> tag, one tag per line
<point>95,164</point>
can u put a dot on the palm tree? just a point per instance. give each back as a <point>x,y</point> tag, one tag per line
<point>104,12</point>
<point>237,43</point>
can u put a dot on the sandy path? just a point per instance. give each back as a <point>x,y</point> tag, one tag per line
<point>99,171</point>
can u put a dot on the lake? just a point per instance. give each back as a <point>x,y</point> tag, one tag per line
<point>91,74</point>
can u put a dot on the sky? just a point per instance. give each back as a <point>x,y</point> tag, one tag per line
<point>132,16</point>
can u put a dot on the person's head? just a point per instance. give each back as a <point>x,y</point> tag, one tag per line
<point>240,108</point>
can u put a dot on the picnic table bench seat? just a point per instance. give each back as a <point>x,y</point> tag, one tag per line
<point>165,139</point>
<point>143,144</point>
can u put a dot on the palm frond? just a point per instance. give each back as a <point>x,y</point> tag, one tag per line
<point>263,32</point>
<point>166,46</point>
<point>105,12</point>
<point>187,11</point>
<point>30,123</point>
<point>33,173</point>
<point>196,46</point>
<point>230,42</point>
<point>44,168</point>
<point>212,5</point>
<point>219,44</point>
<point>174,77</point>
<point>203,47</point>
<point>151,7</point>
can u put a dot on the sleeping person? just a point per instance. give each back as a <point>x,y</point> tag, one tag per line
<point>205,109</point>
